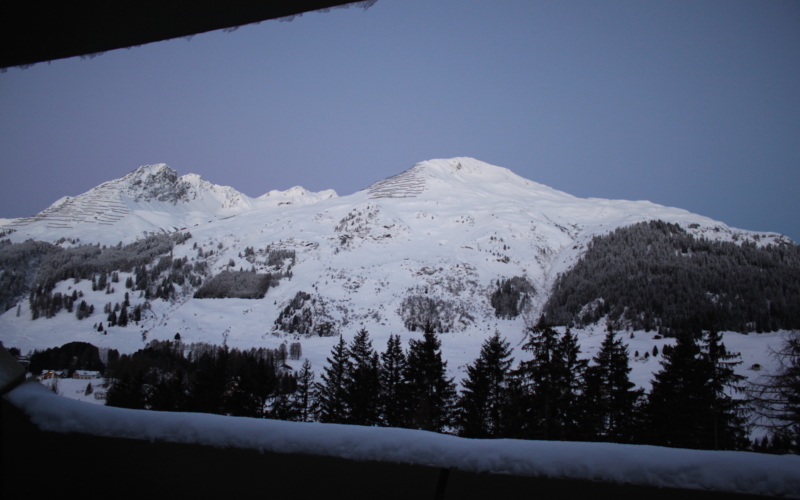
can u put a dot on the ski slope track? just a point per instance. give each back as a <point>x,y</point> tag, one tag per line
<point>446,229</point>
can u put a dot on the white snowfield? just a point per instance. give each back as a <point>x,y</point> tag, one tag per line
<point>723,471</point>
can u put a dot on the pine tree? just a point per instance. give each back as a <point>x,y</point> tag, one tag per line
<point>303,401</point>
<point>571,384</point>
<point>393,396</point>
<point>243,398</point>
<point>727,413</point>
<point>208,393</point>
<point>688,406</point>
<point>539,388</point>
<point>431,394</point>
<point>123,317</point>
<point>282,408</point>
<point>484,399</point>
<point>609,401</point>
<point>362,386</point>
<point>332,389</point>
<point>261,382</point>
<point>675,403</point>
<point>776,397</point>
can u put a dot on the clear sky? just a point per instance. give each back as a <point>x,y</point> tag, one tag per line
<point>694,104</point>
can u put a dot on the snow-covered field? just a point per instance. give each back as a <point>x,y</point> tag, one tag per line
<point>73,388</point>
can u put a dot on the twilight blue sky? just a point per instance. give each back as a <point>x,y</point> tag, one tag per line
<point>694,104</point>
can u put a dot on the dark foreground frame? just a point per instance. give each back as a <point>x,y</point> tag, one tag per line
<point>33,31</point>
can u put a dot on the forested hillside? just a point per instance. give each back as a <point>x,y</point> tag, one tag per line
<point>655,275</point>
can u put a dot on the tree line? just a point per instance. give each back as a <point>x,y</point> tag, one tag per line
<point>173,376</point>
<point>696,401</point>
<point>551,395</point>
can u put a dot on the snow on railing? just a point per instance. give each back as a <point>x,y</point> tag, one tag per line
<point>719,471</point>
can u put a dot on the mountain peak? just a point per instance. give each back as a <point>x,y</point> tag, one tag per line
<point>458,176</point>
<point>156,182</point>
<point>296,195</point>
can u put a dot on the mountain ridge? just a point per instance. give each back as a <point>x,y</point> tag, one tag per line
<point>149,199</point>
<point>438,241</point>
<point>183,201</point>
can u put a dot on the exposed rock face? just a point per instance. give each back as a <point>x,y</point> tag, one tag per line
<point>154,183</point>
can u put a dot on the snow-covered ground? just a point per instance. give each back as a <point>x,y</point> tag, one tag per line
<point>73,388</point>
<point>446,229</point>
<point>725,471</point>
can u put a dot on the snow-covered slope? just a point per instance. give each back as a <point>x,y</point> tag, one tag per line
<point>443,232</point>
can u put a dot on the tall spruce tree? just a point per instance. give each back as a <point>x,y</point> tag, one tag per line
<point>304,398</point>
<point>675,403</point>
<point>572,384</point>
<point>729,421</point>
<point>362,386</point>
<point>333,388</point>
<point>209,394</point>
<point>484,398</point>
<point>393,395</point>
<point>430,393</point>
<point>539,388</point>
<point>244,399</point>
<point>281,407</point>
<point>610,401</point>
<point>688,406</point>
<point>776,397</point>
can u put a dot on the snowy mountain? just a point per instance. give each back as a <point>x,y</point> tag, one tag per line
<point>433,243</point>
<point>150,199</point>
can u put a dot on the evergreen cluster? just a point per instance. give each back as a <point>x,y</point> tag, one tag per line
<point>160,279</point>
<point>690,404</point>
<point>85,261</point>
<point>72,356</point>
<point>18,265</point>
<point>552,394</point>
<point>395,388</point>
<point>237,284</point>
<point>654,275</point>
<point>49,304</point>
<point>511,297</point>
<point>274,257</point>
<point>118,315</point>
<point>420,312</point>
<point>556,396</point>
<point>306,315</point>
<point>36,267</point>
<point>172,376</point>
